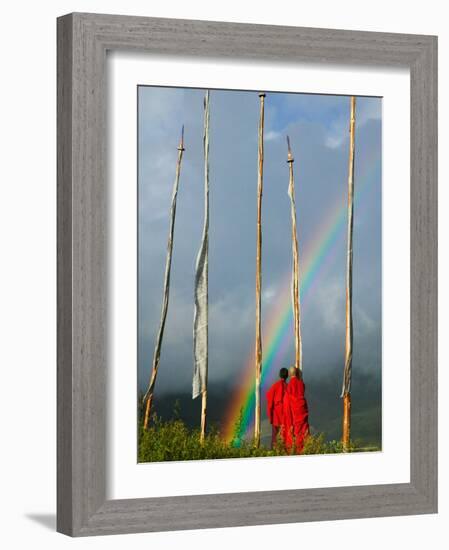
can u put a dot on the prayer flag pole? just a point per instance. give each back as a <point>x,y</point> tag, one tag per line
<point>200,322</point>
<point>148,397</point>
<point>295,269</point>
<point>346,389</point>
<point>258,349</point>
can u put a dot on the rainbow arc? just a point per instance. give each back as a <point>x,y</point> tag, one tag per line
<point>315,262</point>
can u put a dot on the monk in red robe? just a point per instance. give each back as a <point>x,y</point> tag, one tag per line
<point>275,405</point>
<point>296,413</point>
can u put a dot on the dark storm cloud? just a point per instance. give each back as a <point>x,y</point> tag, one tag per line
<point>317,126</point>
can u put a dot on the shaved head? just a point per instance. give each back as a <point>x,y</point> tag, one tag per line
<point>283,373</point>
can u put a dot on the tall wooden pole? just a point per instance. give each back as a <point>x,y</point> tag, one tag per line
<point>148,397</point>
<point>258,350</point>
<point>295,270</point>
<point>346,390</point>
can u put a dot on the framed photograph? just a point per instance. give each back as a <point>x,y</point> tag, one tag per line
<point>247,274</point>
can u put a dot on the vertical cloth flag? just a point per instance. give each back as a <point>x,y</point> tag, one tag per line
<point>295,264</point>
<point>346,388</point>
<point>157,348</point>
<point>200,321</point>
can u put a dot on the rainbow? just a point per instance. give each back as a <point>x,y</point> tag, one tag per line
<point>315,261</point>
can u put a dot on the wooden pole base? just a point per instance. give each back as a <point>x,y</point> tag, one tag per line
<point>203,415</point>
<point>346,421</point>
<point>146,420</point>
<point>257,415</point>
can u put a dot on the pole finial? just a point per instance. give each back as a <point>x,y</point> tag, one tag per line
<point>262,94</point>
<point>289,155</point>
<point>181,143</point>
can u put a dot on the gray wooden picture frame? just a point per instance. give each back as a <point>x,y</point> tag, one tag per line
<point>83,40</point>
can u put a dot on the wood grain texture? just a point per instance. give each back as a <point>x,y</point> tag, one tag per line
<point>83,40</point>
<point>64,275</point>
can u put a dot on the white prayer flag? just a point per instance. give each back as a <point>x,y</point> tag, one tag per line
<point>200,322</point>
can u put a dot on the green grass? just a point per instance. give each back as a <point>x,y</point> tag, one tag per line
<point>173,440</point>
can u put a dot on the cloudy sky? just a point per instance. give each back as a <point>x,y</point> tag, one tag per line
<point>318,130</point>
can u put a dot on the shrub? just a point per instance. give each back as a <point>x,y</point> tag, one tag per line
<point>173,440</point>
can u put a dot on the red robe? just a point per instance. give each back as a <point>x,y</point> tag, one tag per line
<point>275,407</point>
<point>296,415</point>
<point>275,403</point>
